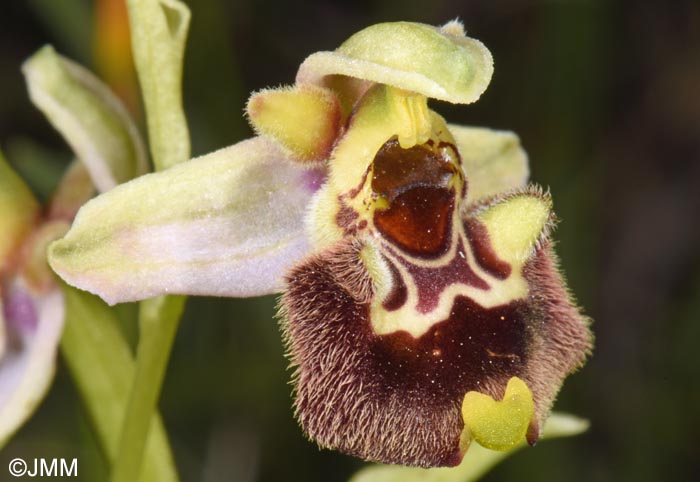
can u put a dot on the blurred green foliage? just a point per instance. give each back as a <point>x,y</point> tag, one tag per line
<point>604,96</point>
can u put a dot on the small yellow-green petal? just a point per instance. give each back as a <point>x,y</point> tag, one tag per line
<point>439,63</point>
<point>304,119</point>
<point>493,160</point>
<point>499,424</point>
<point>90,117</point>
<point>18,210</point>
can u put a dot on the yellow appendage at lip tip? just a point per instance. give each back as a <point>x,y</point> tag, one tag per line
<point>499,425</point>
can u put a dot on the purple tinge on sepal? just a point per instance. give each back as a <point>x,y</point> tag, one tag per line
<point>33,323</point>
<point>19,311</point>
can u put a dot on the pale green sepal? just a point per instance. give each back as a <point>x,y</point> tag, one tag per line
<point>438,63</point>
<point>90,117</point>
<point>158,34</point>
<point>18,210</point>
<point>476,462</point>
<point>102,366</point>
<point>493,160</point>
<point>226,224</point>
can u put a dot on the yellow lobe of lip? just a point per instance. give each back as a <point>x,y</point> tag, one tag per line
<point>516,224</point>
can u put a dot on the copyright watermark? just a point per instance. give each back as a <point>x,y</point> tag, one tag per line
<point>43,468</point>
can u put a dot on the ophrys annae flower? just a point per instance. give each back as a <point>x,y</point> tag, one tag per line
<point>422,305</point>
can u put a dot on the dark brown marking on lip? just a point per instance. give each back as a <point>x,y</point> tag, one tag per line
<point>352,194</point>
<point>346,218</point>
<point>396,170</point>
<point>398,294</point>
<point>485,256</point>
<point>454,355</point>
<point>432,281</point>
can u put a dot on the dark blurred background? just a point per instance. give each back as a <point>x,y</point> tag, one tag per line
<point>605,96</point>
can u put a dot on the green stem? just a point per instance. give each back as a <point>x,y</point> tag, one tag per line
<point>158,323</point>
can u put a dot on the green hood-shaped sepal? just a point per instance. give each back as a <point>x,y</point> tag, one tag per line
<point>441,63</point>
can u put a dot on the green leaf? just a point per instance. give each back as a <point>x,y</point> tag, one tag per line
<point>158,34</point>
<point>90,117</point>
<point>158,322</point>
<point>476,462</point>
<point>103,368</point>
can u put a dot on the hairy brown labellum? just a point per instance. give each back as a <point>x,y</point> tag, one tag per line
<point>395,398</point>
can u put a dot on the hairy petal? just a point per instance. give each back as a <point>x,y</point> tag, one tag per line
<point>89,116</point>
<point>226,224</point>
<point>33,325</point>
<point>493,160</point>
<point>440,63</point>
<point>276,113</point>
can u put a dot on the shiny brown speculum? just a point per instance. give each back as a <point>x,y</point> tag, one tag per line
<point>417,185</point>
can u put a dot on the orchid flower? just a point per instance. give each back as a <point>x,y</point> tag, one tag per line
<point>422,305</point>
<point>32,306</point>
